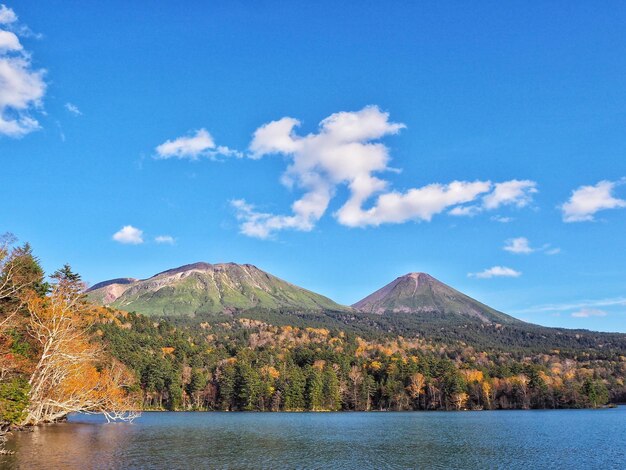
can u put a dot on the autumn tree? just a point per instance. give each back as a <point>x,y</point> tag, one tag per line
<point>356,379</point>
<point>70,374</point>
<point>416,387</point>
<point>20,272</point>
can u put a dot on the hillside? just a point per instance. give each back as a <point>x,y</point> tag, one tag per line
<point>415,304</point>
<point>203,288</point>
<point>423,294</point>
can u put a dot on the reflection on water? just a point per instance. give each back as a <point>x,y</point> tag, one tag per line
<point>500,439</point>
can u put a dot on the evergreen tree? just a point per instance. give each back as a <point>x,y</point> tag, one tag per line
<point>596,392</point>
<point>295,385</point>
<point>314,389</point>
<point>226,383</point>
<point>331,394</point>
<point>248,386</point>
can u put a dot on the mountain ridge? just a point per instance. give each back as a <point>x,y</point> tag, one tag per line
<point>203,287</point>
<point>207,288</point>
<point>413,304</point>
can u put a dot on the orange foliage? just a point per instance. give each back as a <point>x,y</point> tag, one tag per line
<point>69,375</point>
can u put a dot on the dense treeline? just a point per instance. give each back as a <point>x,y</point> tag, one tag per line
<point>244,364</point>
<point>520,338</point>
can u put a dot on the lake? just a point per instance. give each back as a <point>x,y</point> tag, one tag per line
<point>482,439</point>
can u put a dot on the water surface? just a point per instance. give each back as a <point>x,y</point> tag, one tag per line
<point>484,439</point>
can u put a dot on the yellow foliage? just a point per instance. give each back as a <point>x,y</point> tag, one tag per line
<point>472,375</point>
<point>486,388</point>
<point>416,386</point>
<point>545,377</point>
<point>318,331</point>
<point>270,371</point>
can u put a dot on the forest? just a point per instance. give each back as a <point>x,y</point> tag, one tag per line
<point>245,364</point>
<point>60,354</point>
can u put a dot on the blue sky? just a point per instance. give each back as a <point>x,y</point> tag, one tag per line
<point>181,123</point>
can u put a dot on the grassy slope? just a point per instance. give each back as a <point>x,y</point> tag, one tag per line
<point>200,293</point>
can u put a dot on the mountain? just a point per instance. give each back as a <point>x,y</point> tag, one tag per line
<point>419,304</point>
<point>202,288</point>
<point>420,293</point>
<point>413,304</point>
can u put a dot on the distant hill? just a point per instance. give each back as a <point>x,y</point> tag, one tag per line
<point>413,304</point>
<point>421,293</point>
<point>203,288</point>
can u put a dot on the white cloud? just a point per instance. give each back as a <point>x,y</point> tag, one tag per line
<point>577,305</point>
<point>496,271</point>
<point>347,150</point>
<point>519,245</point>
<point>164,239</point>
<point>415,204</point>
<point>502,219</point>
<point>516,193</point>
<point>344,151</point>
<point>129,235</point>
<point>7,15</point>
<point>21,87</point>
<point>72,108</point>
<point>192,147</point>
<point>466,211</point>
<point>262,224</point>
<point>589,312</point>
<point>587,200</point>
<point>9,42</point>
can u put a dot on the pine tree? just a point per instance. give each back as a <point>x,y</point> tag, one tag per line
<point>248,386</point>
<point>295,386</point>
<point>314,389</point>
<point>331,393</point>
<point>226,387</point>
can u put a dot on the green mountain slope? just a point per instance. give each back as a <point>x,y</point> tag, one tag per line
<point>414,304</point>
<point>203,288</point>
